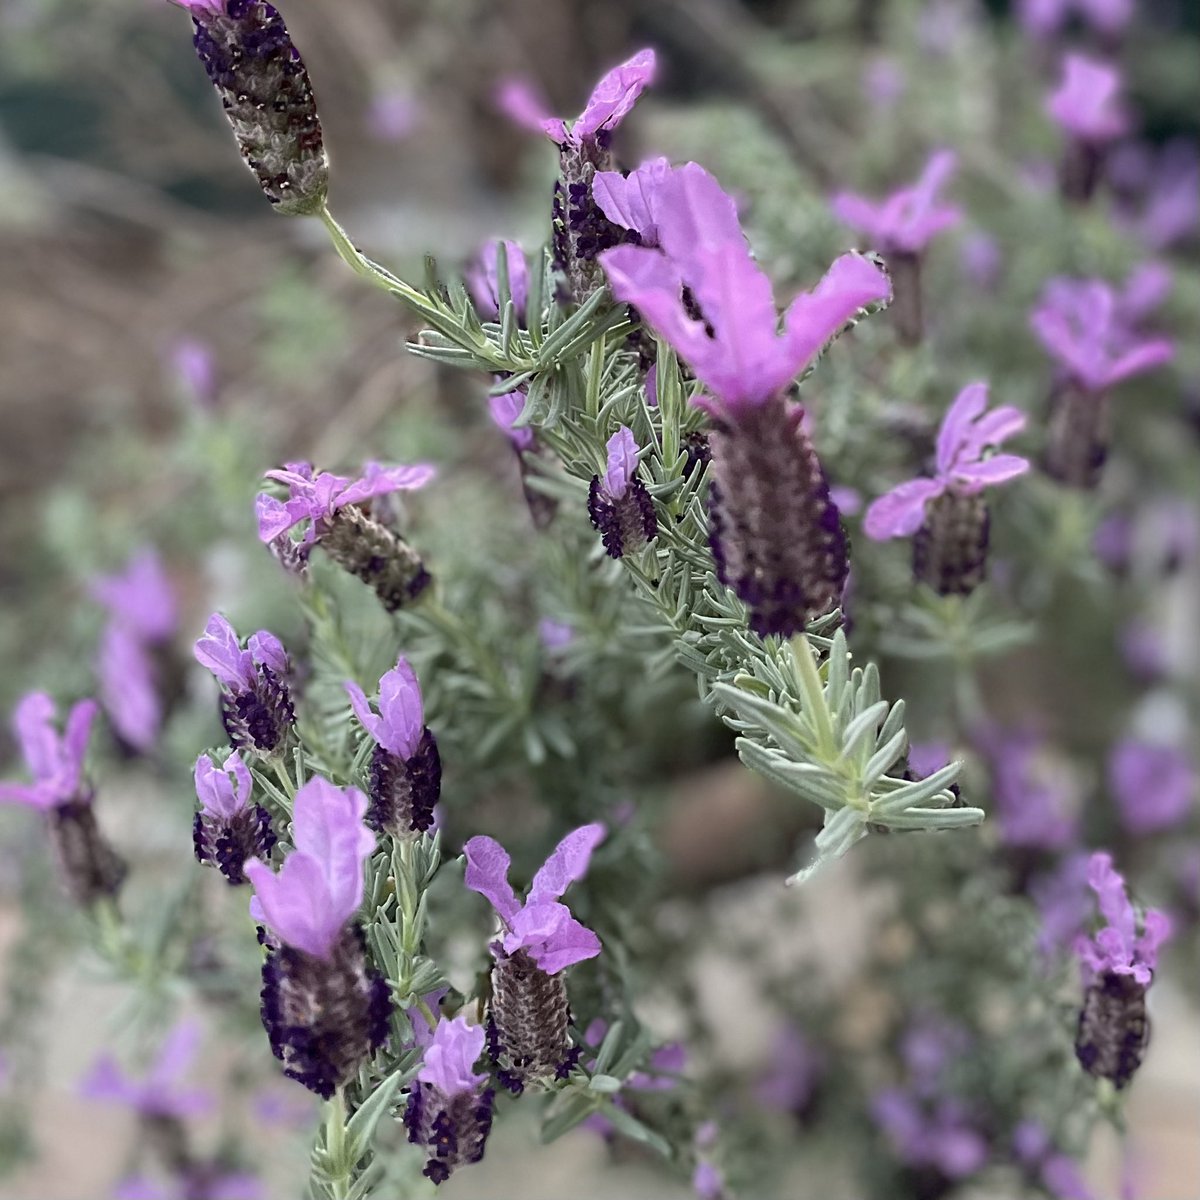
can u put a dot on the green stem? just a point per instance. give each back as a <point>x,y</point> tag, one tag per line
<point>358,262</point>
<point>335,1145</point>
<point>285,780</point>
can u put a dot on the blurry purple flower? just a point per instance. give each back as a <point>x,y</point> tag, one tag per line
<point>541,926</point>
<point>194,366</point>
<point>1146,289</point>
<point>609,104</point>
<point>393,114</point>
<point>484,284</point>
<point>205,1182</point>
<point>707,1181</point>
<point>317,497</point>
<point>1034,797</point>
<point>940,1137</point>
<point>1144,650</point>
<point>284,1108</point>
<point>1080,323</point>
<point>927,757</point>
<point>505,409</point>
<point>1063,1179</point>
<point>54,760</point>
<point>968,431</point>
<point>909,219</point>
<point>1155,785</point>
<point>1041,18</point>
<point>618,504</point>
<point>847,499</point>
<point>1062,899</point>
<point>789,1081</point>
<point>320,886</point>
<point>883,81</point>
<point>1117,948</point>
<point>160,1092</point>
<point>1087,104</point>
<point>982,259</point>
<point>1058,1172</point>
<point>142,597</point>
<point>127,687</point>
<point>927,1047</point>
<point>1169,188</point>
<point>405,775</point>
<point>555,635</point>
<point>665,1061</point>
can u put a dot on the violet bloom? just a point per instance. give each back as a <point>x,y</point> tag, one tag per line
<point>265,91</point>
<point>161,1092</point>
<point>1042,18</point>
<point>227,828</point>
<point>1063,903</point>
<point>128,688</point>
<point>336,509</point>
<point>1169,188</point>
<point>982,260</point>
<point>1058,1173</point>
<point>619,506</point>
<point>393,114</point>
<point>1155,785</point>
<point>529,1014</point>
<point>946,515</point>
<point>707,1181</point>
<point>208,1181</point>
<point>775,533</point>
<point>449,1111</point>
<point>256,703</point>
<point>790,1080</point>
<point>483,280</point>
<point>901,228</point>
<point>141,598</point>
<point>405,775</point>
<point>1118,966</point>
<point>580,230</point>
<point>631,201</point>
<point>1035,798</point>
<point>88,866</point>
<point>1088,108</point>
<point>1081,324</point>
<point>194,366</point>
<point>324,1006</point>
<point>937,1137</point>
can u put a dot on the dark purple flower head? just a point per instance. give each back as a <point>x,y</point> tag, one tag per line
<point>610,103</point>
<point>54,760</point>
<point>141,598</point>
<point>228,829</point>
<point>1042,18</point>
<point>128,687</point>
<point>1087,104</point>
<point>1117,948</point>
<point>909,219</point>
<point>734,346</point>
<point>320,886</point>
<point>484,282</point>
<point>401,719</point>
<point>1081,324</point>
<point>1036,798</point>
<point>541,926</point>
<point>1155,785</point>
<point>160,1092</point>
<point>316,497</point>
<point>619,505</point>
<point>963,466</point>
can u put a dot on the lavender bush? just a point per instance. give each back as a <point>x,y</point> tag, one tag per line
<point>516,638</point>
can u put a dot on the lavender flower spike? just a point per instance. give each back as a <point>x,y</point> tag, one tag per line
<point>619,505</point>
<point>88,866</point>
<point>1118,967</point>
<point>1088,108</point>
<point>1081,324</point>
<point>256,703</point>
<point>581,231</point>
<point>265,91</point>
<point>900,228</point>
<point>529,1017</point>
<point>405,776</point>
<point>947,513</point>
<point>324,1007</point>
<point>449,1112</point>
<point>141,598</point>
<point>228,829</point>
<point>128,687</point>
<point>775,533</point>
<point>1155,785</point>
<point>341,520</point>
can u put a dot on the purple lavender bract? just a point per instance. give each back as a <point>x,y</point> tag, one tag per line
<point>228,829</point>
<point>619,506</point>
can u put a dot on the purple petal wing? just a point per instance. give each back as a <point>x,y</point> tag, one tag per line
<point>969,405</point>
<point>220,651</point>
<point>379,480</point>
<point>295,904</point>
<point>615,95</point>
<point>33,724</point>
<point>899,513</point>
<point>402,710</point>
<point>999,469</point>
<point>622,463</point>
<point>567,863</point>
<point>487,874</point>
<point>327,824</point>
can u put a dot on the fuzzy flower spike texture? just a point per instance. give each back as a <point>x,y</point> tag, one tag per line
<point>946,516</point>
<point>344,521</point>
<point>324,1006</point>
<point>529,1016</point>
<point>775,533</point>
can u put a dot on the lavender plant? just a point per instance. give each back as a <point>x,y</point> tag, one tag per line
<point>684,449</point>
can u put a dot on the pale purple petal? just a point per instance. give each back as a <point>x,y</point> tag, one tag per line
<point>505,409</point>
<point>969,405</point>
<point>1155,785</point>
<point>327,824</point>
<point>33,724</point>
<point>567,863</point>
<point>402,710</point>
<point>622,462</point>
<point>295,904</point>
<point>451,1055</point>
<point>238,1186</point>
<point>521,102</point>
<point>632,200</point>
<point>107,1081</point>
<point>127,687</point>
<point>267,650</point>
<point>1144,357</point>
<point>487,874</point>
<point>141,597</point>
<point>696,216</point>
<point>216,790</point>
<point>1063,1180</point>
<point>900,512</point>
<point>20,793</point>
<point>998,469</point>
<point>379,480</point>
<point>220,651</point>
<point>615,95</point>
<point>363,711</point>
<point>552,937</point>
<point>141,1187</point>
<point>483,279</point>
<point>1087,103</point>
<point>859,213</point>
<point>850,284</point>
<point>274,517</point>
